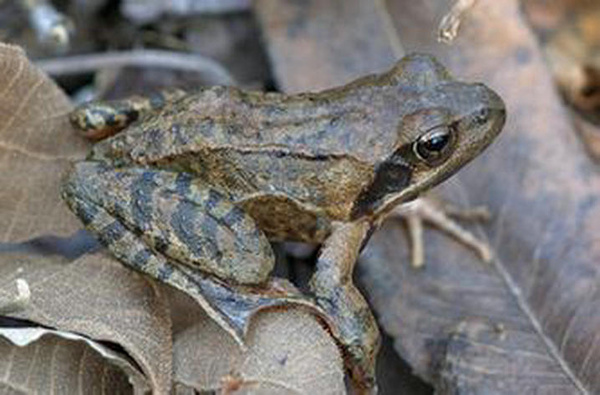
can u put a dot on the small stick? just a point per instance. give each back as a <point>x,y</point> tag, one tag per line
<point>217,74</point>
<point>449,25</point>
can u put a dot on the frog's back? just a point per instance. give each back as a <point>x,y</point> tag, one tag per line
<point>315,151</point>
<point>275,167</point>
<point>228,117</point>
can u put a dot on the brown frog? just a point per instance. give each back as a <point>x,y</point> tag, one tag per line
<point>204,180</point>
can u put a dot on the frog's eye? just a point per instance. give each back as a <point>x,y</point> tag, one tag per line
<point>433,146</point>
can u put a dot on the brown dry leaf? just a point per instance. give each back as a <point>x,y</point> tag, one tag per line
<point>476,346</point>
<point>535,308</point>
<point>38,360</point>
<point>98,297</point>
<point>287,352</point>
<point>36,143</point>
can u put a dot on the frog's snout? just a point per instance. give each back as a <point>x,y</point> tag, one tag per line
<point>487,111</point>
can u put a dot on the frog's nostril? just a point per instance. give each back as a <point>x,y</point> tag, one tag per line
<point>493,101</point>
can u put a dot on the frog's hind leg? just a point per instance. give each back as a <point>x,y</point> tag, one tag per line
<point>172,217</point>
<point>426,210</point>
<point>102,119</point>
<point>134,253</point>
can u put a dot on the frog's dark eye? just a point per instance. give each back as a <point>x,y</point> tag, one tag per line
<point>433,146</point>
<point>482,116</point>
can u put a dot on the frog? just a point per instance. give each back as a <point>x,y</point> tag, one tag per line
<point>205,181</point>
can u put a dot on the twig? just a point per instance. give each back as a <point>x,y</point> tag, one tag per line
<point>449,25</point>
<point>216,74</point>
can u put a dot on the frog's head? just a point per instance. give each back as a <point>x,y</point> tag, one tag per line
<point>447,126</point>
<point>456,122</point>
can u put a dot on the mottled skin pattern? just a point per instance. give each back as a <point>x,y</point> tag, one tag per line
<point>204,180</point>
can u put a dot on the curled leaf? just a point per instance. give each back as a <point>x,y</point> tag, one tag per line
<point>39,360</point>
<point>98,297</point>
<point>287,351</point>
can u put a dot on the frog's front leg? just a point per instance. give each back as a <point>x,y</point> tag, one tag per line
<point>101,119</point>
<point>148,217</point>
<point>352,322</point>
<point>428,210</point>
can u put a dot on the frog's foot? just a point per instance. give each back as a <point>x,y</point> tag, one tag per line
<point>103,119</point>
<point>441,215</point>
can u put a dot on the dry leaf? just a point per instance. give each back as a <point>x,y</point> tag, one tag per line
<point>38,360</point>
<point>477,353</point>
<point>36,144</point>
<point>94,295</point>
<point>287,352</point>
<point>98,297</point>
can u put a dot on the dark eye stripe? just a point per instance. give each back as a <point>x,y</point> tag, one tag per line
<point>392,175</point>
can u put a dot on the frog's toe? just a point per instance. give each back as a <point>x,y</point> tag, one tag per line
<point>423,210</point>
